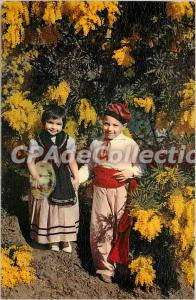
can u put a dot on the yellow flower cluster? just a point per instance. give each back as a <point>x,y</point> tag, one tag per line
<point>189,191</point>
<point>177,10</point>
<point>186,122</point>
<point>145,274</point>
<point>183,231</point>
<point>187,94</point>
<point>181,227</point>
<point>168,175</point>
<point>22,115</point>
<point>123,57</point>
<point>127,132</point>
<point>147,104</point>
<point>162,120</point>
<point>71,128</point>
<point>148,223</point>
<point>14,16</point>
<point>188,270</point>
<point>185,235</point>
<point>58,94</point>
<point>15,266</point>
<point>174,226</point>
<point>84,14</point>
<point>49,11</point>
<point>176,203</point>
<point>87,113</point>
<point>19,66</point>
<point>37,8</point>
<point>52,12</point>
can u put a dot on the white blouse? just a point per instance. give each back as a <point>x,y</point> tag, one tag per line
<point>35,150</point>
<point>123,153</point>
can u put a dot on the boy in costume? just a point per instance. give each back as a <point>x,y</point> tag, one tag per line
<point>114,160</point>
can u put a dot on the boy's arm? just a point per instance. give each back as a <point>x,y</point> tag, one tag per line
<point>135,167</point>
<point>86,171</point>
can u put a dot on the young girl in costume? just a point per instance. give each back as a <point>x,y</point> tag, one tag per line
<point>52,222</point>
<point>114,160</point>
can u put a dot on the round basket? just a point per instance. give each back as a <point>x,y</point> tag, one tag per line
<point>47,180</point>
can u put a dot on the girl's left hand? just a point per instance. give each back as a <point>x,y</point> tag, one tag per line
<point>75,183</point>
<point>122,175</point>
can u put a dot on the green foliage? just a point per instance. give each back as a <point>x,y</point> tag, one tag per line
<point>153,195</point>
<point>148,195</point>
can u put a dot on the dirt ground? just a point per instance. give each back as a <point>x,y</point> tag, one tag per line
<point>60,275</point>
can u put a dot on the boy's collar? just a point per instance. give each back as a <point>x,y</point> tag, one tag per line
<point>116,137</point>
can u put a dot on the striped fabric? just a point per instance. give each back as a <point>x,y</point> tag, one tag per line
<point>51,223</point>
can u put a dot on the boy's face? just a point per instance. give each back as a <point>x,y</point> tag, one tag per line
<point>112,127</point>
<point>54,126</point>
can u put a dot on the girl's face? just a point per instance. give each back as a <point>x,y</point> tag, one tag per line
<point>54,126</point>
<point>112,127</point>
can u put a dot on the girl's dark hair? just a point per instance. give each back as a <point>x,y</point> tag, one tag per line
<point>53,111</point>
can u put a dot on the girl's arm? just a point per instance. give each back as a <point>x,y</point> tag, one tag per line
<point>74,169</point>
<point>71,146</point>
<point>33,172</point>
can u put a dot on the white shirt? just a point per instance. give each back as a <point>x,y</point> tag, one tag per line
<point>122,155</point>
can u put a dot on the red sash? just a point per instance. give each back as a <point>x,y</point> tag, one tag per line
<point>104,177</point>
<point>120,251</point>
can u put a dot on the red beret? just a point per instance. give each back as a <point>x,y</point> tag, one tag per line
<point>119,111</point>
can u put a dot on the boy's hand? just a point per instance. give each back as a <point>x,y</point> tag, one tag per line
<point>75,183</point>
<point>122,175</point>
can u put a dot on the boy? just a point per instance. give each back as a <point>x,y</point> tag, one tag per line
<point>113,161</point>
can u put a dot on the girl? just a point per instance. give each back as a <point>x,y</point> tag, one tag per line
<point>53,222</point>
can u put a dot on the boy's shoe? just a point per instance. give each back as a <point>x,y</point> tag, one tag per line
<point>105,278</point>
<point>66,247</point>
<point>54,247</point>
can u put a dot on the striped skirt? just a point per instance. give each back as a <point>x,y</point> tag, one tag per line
<point>50,223</point>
